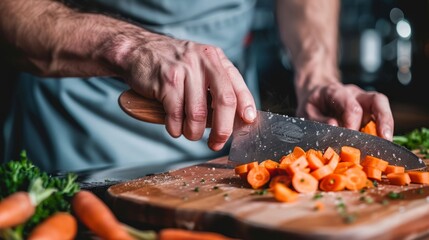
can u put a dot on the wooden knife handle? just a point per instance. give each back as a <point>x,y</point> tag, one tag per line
<point>145,109</point>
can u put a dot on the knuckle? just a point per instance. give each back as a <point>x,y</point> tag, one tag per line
<point>222,136</point>
<point>227,99</point>
<point>176,115</point>
<point>197,114</point>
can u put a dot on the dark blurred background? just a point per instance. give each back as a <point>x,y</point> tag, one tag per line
<point>384,46</point>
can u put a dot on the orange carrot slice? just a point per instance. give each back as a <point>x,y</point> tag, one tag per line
<point>242,171</point>
<point>356,178</point>
<point>350,154</point>
<point>333,182</point>
<point>304,182</point>
<point>322,172</point>
<point>400,179</point>
<point>283,193</point>
<point>370,128</point>
<point>419,177</point>
<point>329,152</point>
<point>314,159</point>
<point>258,177</point>
<point>271,166</point>
<point>374,162</point>
<point>372,173</point>
<point>298,165</point>
<point>284,179</point>
<point>394,169</point>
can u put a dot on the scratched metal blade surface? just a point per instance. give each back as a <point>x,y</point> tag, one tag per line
<point>272,135</point>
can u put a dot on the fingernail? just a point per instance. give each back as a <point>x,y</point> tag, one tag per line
<point>249,114</point>
<point>387,133</point>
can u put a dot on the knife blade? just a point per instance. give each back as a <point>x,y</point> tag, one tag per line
<point>273,135</point>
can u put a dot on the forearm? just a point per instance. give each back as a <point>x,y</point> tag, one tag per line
<point>309,30</point>
<point>54,40</point>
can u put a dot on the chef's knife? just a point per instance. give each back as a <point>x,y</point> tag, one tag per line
<point>272,135</point>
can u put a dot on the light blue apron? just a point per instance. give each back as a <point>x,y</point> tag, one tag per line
<point>73,124</point>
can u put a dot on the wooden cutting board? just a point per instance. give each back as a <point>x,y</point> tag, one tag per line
<point>210,197</point>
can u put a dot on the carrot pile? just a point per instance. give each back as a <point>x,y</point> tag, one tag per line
<point>311,170</point>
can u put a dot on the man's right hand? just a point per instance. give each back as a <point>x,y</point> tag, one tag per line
<point>181,74</point>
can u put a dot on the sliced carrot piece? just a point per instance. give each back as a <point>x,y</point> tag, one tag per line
<point>322,172</point>
<point>242,171</point>
<point>419,177</point>
<point>369,184</point>
<point>370,128</point>
<point>329,152</point>
<point>298,152</point>
<point>287,159</point>
<point>350,154</point>
<point>394,169</point>
<point>281,169</point>
<point>314,159</point>
<point>333,182</point>
<point>258,177</point>
<point>400,179</point>
<point>333,162</point>
<point>356,178</point>
<point>271,166</point>
<point>283,193</point>
<point>284,179</point>
<point>375,162</point>
<point>343,166</point>
<point>372,173</point>
<point>304,182</point>
<point>298,165</point>
<point>252,165</point>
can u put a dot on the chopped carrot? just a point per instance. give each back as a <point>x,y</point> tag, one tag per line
<point>284,194</point>
<point>333,182</point>
<point>287,159</point>
<point>183,234</point>
<point>242,171</point>
<point>271,166</point>
<point>369,184</point>
<point>400,179</point>
<point>372,173</point>
<point>319,206</point>
<point>298,165</point>
<point>329,152</point>
<point>356,178</point>
<point>258,177</point>
<point>343,166</point>
<point>333,161</point>
<point>304,182</point>
<point>419,177</point>
<point>298,152</point>
<point>252,165</point>
<point>61,225</point>
<point>281,169</point>
<point>370,128</point>
<point>285,179</point>
<point>350,154</point>
<point>374,162</point>
<point>314,159</point>
<point>394,169</point>
<point>322,172</point>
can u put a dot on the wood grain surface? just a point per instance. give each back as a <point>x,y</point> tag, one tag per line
<point>210,197</point>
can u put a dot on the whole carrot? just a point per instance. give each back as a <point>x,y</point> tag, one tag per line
<point>61,225</point>
<point>15,209</point>
<point>95,214</point>
<point>18,207</point>
<point>182,234</point>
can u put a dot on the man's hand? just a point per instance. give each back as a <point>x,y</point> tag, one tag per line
<point>180,74</point>
<point>54,40</point>
<point>347,106</point>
